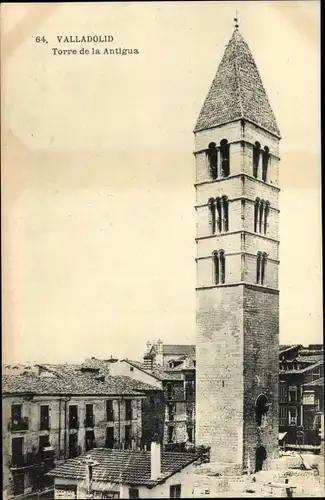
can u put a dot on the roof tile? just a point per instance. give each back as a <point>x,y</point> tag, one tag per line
<point>237,91</point>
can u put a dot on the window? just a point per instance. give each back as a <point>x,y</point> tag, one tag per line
<point>261,409</point>
<point>219,214</point>
<point>109,410</point>
<point>283,415</point>
<point>89,420</point>
<point>170,433</point>
<point>224,154</point>
<point>17,447</point>
<point>18,483</point>
<point>283,393</point>
<point>265,163</point>
<point>65,492</point>
<point>256,213</point>
<point>109,441</point>
<point>43,442</point>
<point>292,416</point>
<point>44,417</point>
<point>73,417</point>
<point>190,434</point>
<point>261,213</point>
<point>175,491</point>
<point>219,267</point>
<point>212,155</point>
<point>73,445</point>
<point>18,422</point>
<point>152,401</point>
<point>224,204</point>
<point>90,440</point>
<point>292,393</point>
<point>169,391</point>
<point>171,411</point>
<point>212,215</point>
<point>128,436</point>
<point>256,158</point>
<point>128,409</point>
<point>260,267</point>
<point>133,493</point>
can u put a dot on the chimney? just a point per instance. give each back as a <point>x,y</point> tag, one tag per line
<point>155,460</point>
<point>148,362</point>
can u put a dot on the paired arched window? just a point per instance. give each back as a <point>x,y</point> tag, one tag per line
<point>218,214</point>
<point>261,214</point>
<point>218,159</point>
<point>260,267</point>
<point>265,153</point>
<point>219,267</point>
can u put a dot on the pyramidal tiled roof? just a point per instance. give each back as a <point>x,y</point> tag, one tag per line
<point>237,91</point>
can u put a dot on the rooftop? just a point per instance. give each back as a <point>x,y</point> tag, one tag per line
<point>77,385</point>
<point>126,466</point>
<point>237,91</point>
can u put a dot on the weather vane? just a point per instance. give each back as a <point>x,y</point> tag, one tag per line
<point>236,21</point>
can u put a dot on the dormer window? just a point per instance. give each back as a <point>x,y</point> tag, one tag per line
<point>212,155</point>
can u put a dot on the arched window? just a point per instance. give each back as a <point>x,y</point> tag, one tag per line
<point>212,215</point>
<point>264,258</point>
<point>219,267</point>
<point>265,163</point>
<point>212,155</point>
<point>256,213</point>
<point>256,158</point>
<point>225,161</point>
<point>216,276</point>
<point>261,215</point>
<point>266,214</point>
<point>261,409</point>
<point>258,267</point>
<point>224,203</point>
<point>222,262</point>
<point>219,214</point>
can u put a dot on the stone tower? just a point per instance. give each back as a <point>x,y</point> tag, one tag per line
<point>237,311</point>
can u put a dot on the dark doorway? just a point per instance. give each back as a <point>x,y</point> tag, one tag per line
<point>260,457</point>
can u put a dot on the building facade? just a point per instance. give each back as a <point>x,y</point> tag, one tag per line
<point>237,316</point>
<point>49,419</point>
<point>301,396</point>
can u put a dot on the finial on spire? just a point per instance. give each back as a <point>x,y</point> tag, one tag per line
<point>236,21</point>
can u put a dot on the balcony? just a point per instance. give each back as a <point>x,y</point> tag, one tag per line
<point>31,459</point>
<point>18,425</point>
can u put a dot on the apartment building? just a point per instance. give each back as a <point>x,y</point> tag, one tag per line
<point>49,417</point>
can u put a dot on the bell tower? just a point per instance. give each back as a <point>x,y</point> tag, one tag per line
<point>237,295</point>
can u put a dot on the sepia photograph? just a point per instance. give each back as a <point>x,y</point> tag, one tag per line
<point>161,250</point>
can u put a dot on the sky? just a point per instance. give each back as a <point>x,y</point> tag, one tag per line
<point>98,171</point>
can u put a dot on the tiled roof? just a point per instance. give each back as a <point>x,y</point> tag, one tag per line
<point>159,372</point>
<point>284,348</point>
<point>237,91</point>
<point>302,370</point>
<point>319,383</point>
<point>78,385</point>
<point>127,466</point>
<point>179,349</point>
<point>309,359</point>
